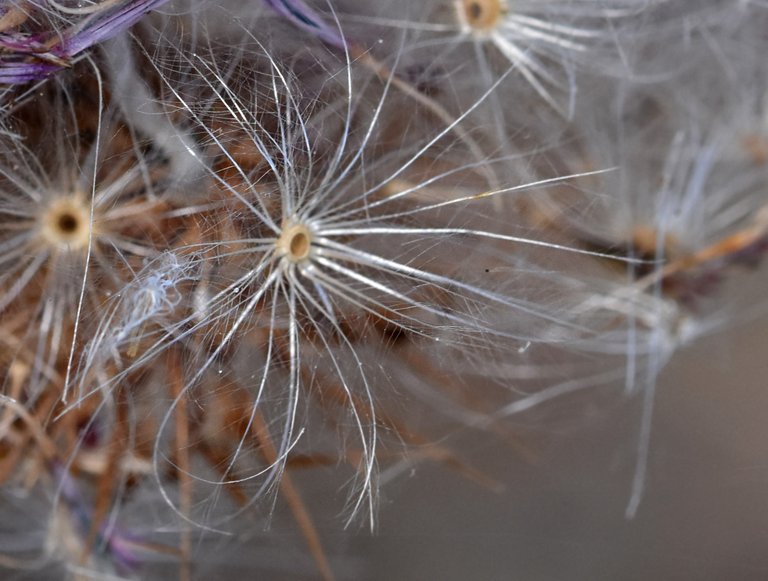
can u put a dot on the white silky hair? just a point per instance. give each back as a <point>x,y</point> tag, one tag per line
<point>689,194</point>
<point>363,263</point>
<point>339,235</point>
<point>143,303</point>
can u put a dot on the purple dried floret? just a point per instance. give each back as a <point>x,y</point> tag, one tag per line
<point>29,57</point>
<point>306,18</point>
<point>103,26</point>
<point>24,72</point>
<point>119,543</point>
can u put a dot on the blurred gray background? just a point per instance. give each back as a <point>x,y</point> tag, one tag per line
<point>704,515</point>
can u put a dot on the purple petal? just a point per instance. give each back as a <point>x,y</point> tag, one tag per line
<point>122,548</point>
<point>21,43</point>
<point>17,73</point>
<point>306,18</point>
<point>94,29</point>
<point>101,27</point>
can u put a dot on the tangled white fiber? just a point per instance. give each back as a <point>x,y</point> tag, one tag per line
<point>253,253</point>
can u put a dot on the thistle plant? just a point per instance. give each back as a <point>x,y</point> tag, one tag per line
<point>241,273</point>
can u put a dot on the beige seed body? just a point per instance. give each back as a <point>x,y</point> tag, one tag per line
<point>295,242</point>
<point>481,17</point>
<point>66,223</point>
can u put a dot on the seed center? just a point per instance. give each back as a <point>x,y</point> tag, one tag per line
<point>66,223</point>
<point>295,242</point>
<point>299,247</point>
<point>482,15</point>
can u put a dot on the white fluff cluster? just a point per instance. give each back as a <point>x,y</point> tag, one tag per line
<point>248,248</point>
